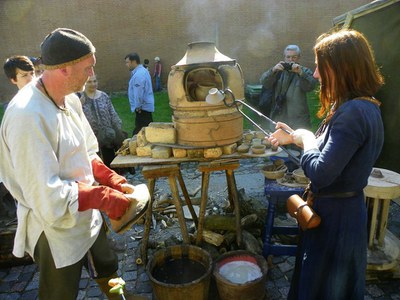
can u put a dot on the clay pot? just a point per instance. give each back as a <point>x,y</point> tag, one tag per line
<point>202,89</point>
<point>197,122</point>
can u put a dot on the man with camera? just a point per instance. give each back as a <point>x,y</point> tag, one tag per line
<point>287,84</point>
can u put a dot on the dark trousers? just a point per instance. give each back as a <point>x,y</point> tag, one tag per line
<point>143,119</point>
<point>63,283</point>
<point>107,154</point>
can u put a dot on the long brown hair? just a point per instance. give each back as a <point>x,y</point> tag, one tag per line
<point>347,68</point>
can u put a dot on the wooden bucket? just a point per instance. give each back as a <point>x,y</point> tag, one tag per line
<point>180,272</point>
<point>250,289</point>
<point>209,130</point>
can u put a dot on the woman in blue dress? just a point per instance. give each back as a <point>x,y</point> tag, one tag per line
<point>338,159</point>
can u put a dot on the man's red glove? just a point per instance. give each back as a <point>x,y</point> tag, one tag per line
<point>105,176</point>
<point>112,202</point>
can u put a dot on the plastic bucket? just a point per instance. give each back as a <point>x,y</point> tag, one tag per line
<point>180,272</point>
<point>240,275</point>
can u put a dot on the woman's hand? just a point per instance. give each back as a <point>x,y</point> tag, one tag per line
<point>301,137</point>
<point>304,139</point>
<point>281,137</point>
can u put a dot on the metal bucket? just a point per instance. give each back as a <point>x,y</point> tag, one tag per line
<point>180,272</point>
<point>251,289</point>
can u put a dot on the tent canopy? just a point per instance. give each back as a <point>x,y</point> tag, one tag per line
<point>379,21</point>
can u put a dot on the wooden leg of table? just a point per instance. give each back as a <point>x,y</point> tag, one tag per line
<point>385,203</point>
<point>205,178</point>
<point>187,198</point>
<point>231,207</point>
<point>233,192</point>
<point>147,224</point>
<point>178,206</point>
<point>374,214</point>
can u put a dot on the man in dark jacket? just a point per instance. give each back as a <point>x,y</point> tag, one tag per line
<point>288,82</point>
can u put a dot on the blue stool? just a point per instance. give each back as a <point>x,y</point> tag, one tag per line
<point>276,192</point>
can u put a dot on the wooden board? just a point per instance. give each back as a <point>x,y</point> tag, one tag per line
<point>127,161</point>
<point>384,186</point>
<point>291,184</point>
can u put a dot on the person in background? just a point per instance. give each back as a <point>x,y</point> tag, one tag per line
<point>49,164</point>
<point>140,92</point>
<point>37,61</point>
<point>157,74</point>
<point>146,64</point>
<point>288,82</point>
<point>332,258</point>
<point>102,117</point>
<point>19,69</point>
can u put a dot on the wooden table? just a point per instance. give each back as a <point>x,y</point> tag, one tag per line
<point>383,247</point>
<point>127,161</point>
<point>154,168</point>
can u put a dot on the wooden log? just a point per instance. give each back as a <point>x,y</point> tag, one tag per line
<point>248,221</point>
<point>250,242</point>
<point>165,210</point>
<point>218,222</point>
<point>195,201</point>
<point>162,202</point>
<point>213,238</point>
<point>255,231</point>
<point>229,237</point>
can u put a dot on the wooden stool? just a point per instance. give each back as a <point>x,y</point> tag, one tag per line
<point>277,193</point>
<point>173,172</point>
<point>206,168</point>
<point>383,186</point>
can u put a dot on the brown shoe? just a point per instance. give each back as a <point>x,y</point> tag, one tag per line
<point>139,202</point>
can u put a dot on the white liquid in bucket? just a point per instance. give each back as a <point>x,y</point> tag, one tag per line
<point>240,271</point>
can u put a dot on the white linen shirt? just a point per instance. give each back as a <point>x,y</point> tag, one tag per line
<point>43,152</point>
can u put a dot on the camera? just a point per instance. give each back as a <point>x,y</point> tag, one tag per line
<point>287,66</point>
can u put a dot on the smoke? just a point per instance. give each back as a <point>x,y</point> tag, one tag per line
<point>16,11</point>
<point>204,18</point>
<point>207,18</point>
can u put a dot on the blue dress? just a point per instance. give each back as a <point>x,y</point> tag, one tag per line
<point>332,258</point>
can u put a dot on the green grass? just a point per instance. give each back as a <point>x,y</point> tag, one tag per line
<point>163,112</point>
<point>313,106</point>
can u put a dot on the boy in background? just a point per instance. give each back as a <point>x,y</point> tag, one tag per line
<point>20,70</point>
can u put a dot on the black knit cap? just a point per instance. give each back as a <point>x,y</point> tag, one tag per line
<point>64,47</point>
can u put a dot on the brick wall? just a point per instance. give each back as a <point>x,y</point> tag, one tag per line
<point>253,32</point>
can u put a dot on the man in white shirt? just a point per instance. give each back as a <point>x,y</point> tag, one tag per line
<point>49,165</point>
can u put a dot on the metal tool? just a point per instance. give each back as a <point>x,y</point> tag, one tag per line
<point>216,96</point>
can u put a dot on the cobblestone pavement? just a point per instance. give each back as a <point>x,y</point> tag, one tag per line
<point>21,282</point>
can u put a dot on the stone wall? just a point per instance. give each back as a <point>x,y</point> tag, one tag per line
<point>253,32</point>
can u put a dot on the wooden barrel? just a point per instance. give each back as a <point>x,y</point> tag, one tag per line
<point>180,272</point>
<point>209,130</point>
<point>252,289</point>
